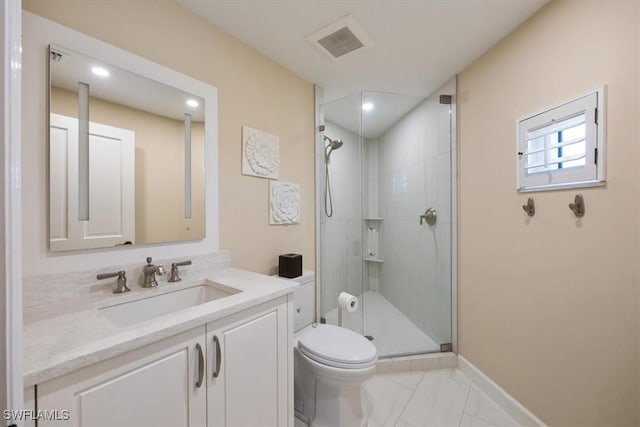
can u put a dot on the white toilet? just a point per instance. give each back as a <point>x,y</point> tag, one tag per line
<point>331,366</point>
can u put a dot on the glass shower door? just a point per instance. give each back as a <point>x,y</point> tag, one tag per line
<point>386,218</point>
<point>407,302</point>
<point>341,213</point>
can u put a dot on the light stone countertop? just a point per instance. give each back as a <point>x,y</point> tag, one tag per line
<point>70,340</point>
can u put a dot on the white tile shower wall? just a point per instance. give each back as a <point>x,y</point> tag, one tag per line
<point>415,174</point>
<point>74,290</point>
<point>371,162</point>
<point>342,233</point>
<point>371,270</point>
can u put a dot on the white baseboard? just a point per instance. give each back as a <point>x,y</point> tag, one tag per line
<point>507,402</point>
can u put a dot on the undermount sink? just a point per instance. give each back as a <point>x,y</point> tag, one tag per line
<point>137,311</point>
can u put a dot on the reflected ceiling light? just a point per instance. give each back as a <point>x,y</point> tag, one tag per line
<point>192,103</point>
<point>367,106</point>
<point>100,72</point>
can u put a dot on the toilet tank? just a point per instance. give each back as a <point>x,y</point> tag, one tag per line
<point>303,300</point>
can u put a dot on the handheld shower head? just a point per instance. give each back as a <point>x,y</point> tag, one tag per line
<point>333,144</point>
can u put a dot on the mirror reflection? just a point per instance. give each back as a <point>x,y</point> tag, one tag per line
<point>126,157</point>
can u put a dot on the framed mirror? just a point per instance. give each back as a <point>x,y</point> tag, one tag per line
<point>126,157</point>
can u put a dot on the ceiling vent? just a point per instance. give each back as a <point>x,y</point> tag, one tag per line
<point>340,38</point>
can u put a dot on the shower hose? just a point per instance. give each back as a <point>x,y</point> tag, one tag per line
<point>328,203</point>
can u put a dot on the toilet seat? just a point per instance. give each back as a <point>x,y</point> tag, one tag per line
<point>337,347</point>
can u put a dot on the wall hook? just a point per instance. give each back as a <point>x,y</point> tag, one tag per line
<point>530,207</point>
<point>578,206</point>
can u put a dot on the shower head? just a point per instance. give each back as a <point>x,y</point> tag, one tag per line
<point>333,144</point>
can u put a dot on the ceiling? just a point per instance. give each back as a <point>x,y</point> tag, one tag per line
<point>387,109</point>
<point>417,44</point>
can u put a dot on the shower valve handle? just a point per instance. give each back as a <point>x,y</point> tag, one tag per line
<point>430,216</point>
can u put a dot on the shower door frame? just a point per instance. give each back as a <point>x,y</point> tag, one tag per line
<point>319,165</point>
<point>453,140</point>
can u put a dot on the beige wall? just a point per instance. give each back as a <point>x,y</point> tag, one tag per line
<point>252,90</point>
<point>549,306</point>
<point>159,171</point>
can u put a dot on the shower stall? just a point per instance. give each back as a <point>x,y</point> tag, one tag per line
<point>386,217</point>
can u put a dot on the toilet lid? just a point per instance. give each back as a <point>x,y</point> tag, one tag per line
<point>336,346</point>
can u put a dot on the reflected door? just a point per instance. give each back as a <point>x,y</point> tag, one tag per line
<point>111,183</point>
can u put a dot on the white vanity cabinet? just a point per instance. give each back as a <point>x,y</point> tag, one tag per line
<point>249,372</point>
<point>244,378</point>
<point>153,386</point>
<point>30,405</point>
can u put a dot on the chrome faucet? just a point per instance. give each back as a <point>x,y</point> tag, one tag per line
<point>150,271</point>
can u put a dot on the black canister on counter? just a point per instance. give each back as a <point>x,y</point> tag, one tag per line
<point>290,265</point>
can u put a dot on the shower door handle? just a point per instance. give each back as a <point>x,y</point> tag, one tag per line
<point>430,216</point>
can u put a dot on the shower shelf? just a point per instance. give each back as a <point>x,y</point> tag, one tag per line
<point>373,260</point>
<point>373,219</point>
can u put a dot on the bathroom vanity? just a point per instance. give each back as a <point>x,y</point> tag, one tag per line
<point>222,362</point>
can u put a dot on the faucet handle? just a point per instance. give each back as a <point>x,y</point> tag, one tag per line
<point>121,284</point>
<point>175,273</point>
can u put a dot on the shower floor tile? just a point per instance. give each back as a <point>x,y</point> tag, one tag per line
<point>394,334</point>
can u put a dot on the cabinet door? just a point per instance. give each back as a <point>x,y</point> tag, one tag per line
<point>251,358</point>
<point>153,386</point>
<point>30,405</point>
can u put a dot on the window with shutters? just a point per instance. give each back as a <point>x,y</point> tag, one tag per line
<point>563,147</point>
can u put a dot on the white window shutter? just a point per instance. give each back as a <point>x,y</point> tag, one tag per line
<point>557,147</point>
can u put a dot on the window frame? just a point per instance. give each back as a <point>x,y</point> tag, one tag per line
<point>593,174</point>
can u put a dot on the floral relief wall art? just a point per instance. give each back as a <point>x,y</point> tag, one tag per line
<point>284,203</point>
<point>260,153</point>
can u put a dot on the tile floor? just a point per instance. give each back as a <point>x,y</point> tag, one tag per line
<point>439,398</point>
<point>394,334</point>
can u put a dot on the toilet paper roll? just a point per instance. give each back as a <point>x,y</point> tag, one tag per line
<point>347,302</point>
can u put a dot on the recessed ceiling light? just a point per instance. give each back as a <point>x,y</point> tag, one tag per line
<point>100,72</point>
<point>192,103</point>
<point>367,106</point>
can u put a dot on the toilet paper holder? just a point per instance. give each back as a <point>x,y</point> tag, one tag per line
<point>347,302</point>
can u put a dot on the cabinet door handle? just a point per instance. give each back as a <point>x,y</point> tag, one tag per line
<point>200,365</point>
<point>216,341</point>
